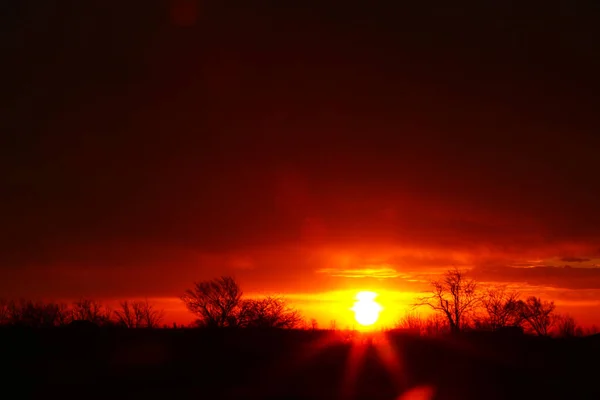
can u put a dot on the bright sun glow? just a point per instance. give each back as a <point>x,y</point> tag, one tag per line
<point>366,309</point>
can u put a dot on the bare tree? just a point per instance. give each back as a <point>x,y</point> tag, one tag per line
<point>537,314</point>
<point>126,315</point>
<point>215,302</point>
<point>91,311</point>
<point>63,314</point>
<point>269,312</point>
<point>218,303</point>
<point>454,296</point>
<point>35,314</point>
<point>138,314</point>
<point>566,326</point>
<point>151,317</point>
<point>333,325</point>
<point>502,308</point>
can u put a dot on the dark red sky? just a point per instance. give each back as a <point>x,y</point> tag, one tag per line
<point>148,145</point>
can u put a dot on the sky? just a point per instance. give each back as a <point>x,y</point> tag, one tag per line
<point>311,150</point>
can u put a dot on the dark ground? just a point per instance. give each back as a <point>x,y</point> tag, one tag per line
<point>101,364</point>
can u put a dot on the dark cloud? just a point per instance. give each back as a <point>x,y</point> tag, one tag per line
<point>565,277</point>
<point>575,259</point>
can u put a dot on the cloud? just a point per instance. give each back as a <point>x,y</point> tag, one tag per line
<point>575,259</point>
<point>380,273</point>
<point>565,277</point>
<point>292,159</point>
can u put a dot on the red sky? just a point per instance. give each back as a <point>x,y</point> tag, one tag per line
<point>300,149</point>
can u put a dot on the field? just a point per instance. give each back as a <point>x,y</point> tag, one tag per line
<point>274,364</point>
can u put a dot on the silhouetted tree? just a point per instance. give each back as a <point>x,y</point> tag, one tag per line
<point>126,315</point>
<point>4,312</point>
<point>15,312</point>
<point>151,317</point>
<point>218,303</point>
<point>35,314</point>
<point>138,314</point>
<point>63,315</point>
<point>454,296</point>
<point>215,302</point>
<point>314,325</point>
<point>269,312</point>
<point>333,325</point>
<point>537,314</point>
<point>91,311</point>
<point>502,308</point>
<point>566,326</point>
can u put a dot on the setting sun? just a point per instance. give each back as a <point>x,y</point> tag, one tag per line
<point>366,309</point>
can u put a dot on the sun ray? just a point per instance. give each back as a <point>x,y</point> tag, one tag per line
<point>356,355</point>
<point>391,358</point>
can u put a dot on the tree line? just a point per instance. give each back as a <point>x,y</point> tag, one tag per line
<point>217,303</point>
<point>459,303</point>
<point>83,312</point>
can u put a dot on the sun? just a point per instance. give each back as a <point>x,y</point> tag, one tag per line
<point>366,309</point>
